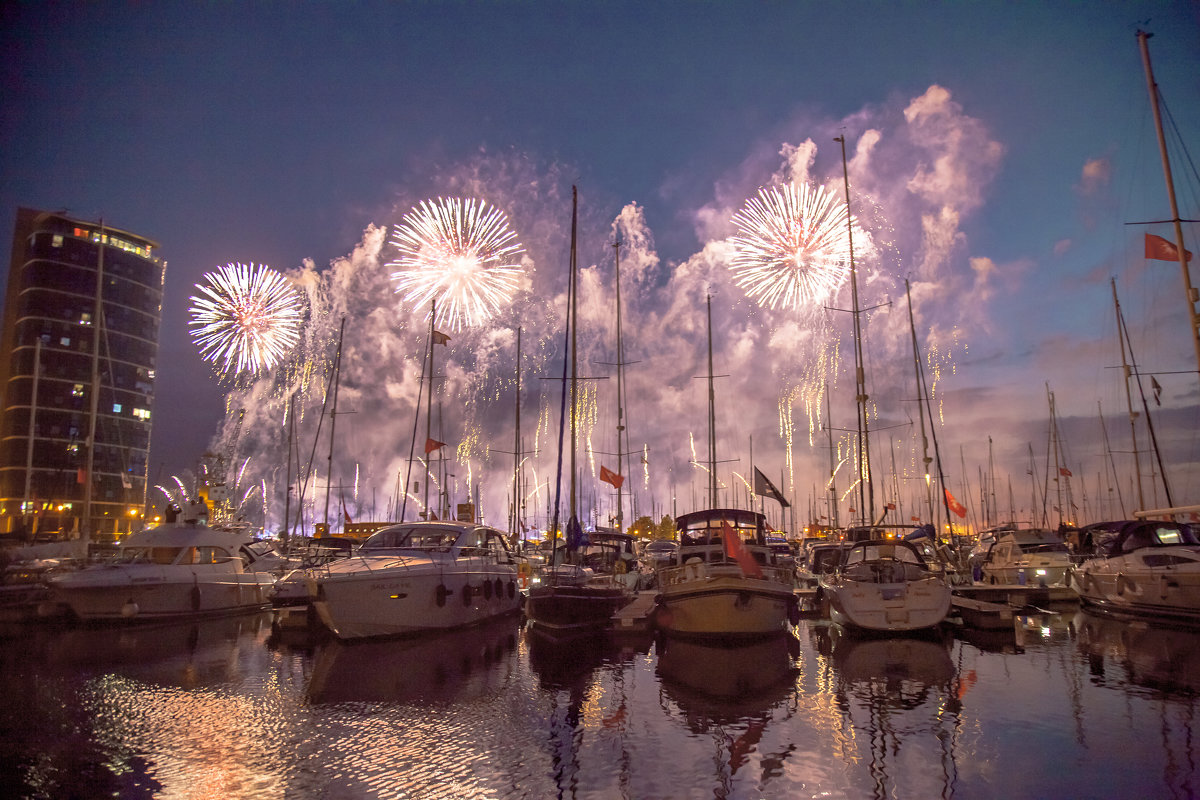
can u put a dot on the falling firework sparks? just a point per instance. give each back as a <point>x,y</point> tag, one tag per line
<point>791,249</point>
<point>246,318</point>
<point>461,254</point>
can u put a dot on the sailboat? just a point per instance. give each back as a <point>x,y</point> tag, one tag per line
<point>883,583</point>
<point>582,587</point>
<point>724,582</point>
<point>1148,565</point>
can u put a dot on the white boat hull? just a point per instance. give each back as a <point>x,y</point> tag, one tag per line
<point>889,607</point>
<point>138,592</point>
<point>360,602</point>
<point>716,600</point>
<point>1128,584</point>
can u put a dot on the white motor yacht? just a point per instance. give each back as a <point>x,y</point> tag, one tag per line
<point>178,569</point>
<point>1141,566</point>
<point>1028,557</point>
<point>414,577</point>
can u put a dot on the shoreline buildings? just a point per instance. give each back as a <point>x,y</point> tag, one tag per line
<point>78,350</point>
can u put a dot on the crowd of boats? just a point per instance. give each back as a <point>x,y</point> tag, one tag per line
<point>724,577</point>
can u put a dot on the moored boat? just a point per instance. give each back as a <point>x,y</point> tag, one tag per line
<point>583,596</point>
<point>1149,567</point>
<point>885,585</point>
<point>1027,557</point>
<point>415,577</point>
<point>725,582</point>
<point>178,569</point>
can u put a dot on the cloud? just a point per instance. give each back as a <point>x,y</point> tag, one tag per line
<point>1095,175</point>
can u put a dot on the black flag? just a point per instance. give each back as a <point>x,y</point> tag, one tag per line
<point>767,489</point>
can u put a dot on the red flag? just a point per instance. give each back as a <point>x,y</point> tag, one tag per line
<point>955,506</point>
<point>432,444</point>
<point>440,338</point>
<point>891,506</point>
<point>1066,473</point>
<point>608,476</point>
<point>737,551</point>
<point>915,519</point>
<point>1160,249</point>
<point>81,475</point>
<point>346,513</point>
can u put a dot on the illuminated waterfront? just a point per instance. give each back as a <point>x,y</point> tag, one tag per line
<point>1068,705</point>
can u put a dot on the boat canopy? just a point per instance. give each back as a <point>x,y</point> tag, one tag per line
<point>432,536</point>
<point>1125,536</point>
<point>878,550</point>
<point>700,528</point>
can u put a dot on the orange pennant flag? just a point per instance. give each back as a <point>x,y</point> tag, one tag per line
<point>955,506</point>
<point>432,444</point>
<point>1160,249</point>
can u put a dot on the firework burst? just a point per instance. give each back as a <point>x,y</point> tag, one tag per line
<point>246,318</point>
<point>459,253</point>
<point>791,249</point>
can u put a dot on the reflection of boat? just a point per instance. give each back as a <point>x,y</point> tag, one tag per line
<point>568,663</point>
<point>1155,656</point>
<point>1030,557</point>
<point>417,577</point>
<point>173,570</point>
<point>707,677</point>
<point>903,663</point>
<point>1141,567</point>
<point>725,583</point>
<point>437,667</point>
<point>885,585</point>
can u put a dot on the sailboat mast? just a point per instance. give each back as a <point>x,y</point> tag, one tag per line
<point>1125,370</point>
<point>712,417</point>
<point>514,516</point>
<point>866,496</point>
<point>620,391</point>
<point>926,459</point>
<point>572,310</point>
<point>833,510</point>
<point>337,377</point>
<point>1190,293</point>
<point>429,407</point>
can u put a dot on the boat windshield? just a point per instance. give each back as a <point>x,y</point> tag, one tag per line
<point>412,537</point>
<point>876,552</point>
<point>172,555</point>
<point>1056,547</point>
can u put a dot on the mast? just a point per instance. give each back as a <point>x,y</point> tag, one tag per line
<point>866,496</point>
<point>429,407</point>
<point>621,435</point>
<point>1126,371</point>
<point>573,309</point>
<point>97,323</point>
<point>926,459</point>
<point>833,510</point>
<point>514,517</point>
<point>562,409</point>
<point>712,417</point>
<point>1190,293</point>
<point>337,373</point>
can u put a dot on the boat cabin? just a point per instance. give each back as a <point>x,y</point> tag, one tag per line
<point>1110,539</point>
<point>701,534</point>
<point>438,537</point>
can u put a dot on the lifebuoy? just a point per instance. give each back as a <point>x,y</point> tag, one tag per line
<point>524,570</point>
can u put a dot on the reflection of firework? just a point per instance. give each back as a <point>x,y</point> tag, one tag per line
<point>460,253</point>
<point>246,319</point>
<point>792,248</point>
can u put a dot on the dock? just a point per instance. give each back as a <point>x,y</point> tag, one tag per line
<point>636,616</point>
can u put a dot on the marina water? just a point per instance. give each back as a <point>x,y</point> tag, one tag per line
<point>1065,705</point>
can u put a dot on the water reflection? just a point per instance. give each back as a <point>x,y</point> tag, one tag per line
<point>1123,653</point>
<point>900,698</point>
<point>436,668</point>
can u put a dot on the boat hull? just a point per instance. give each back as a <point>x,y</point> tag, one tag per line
<point>1128,584</point>
<point>370,603</point>
<point>718,601</point>
<point>563,610</point>
<point>889,607</point>
<point>138,593</point>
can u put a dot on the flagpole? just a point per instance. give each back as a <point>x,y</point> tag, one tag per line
<point>429,407</point>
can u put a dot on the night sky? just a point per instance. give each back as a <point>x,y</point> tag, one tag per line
<point>998,153</point>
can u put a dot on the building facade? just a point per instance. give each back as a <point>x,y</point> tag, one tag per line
<point>78,346</point>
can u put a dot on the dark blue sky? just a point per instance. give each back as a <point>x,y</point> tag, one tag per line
<point>277,132</point>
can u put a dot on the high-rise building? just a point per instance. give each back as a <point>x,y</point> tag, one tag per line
<point>78,346</point>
